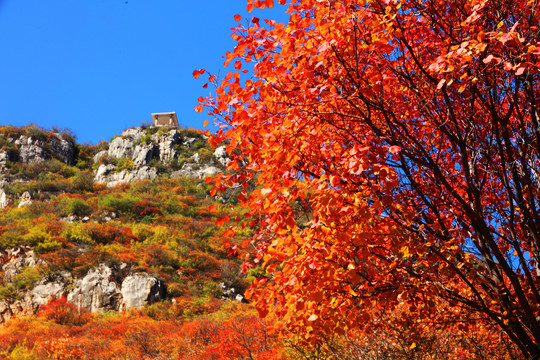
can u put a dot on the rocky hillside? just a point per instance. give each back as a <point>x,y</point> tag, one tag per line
<point>113,226</point>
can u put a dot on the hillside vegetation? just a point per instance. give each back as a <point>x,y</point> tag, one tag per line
<point>113,251</point>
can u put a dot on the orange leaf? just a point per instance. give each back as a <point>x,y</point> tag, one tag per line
<point>212,208</point>
<point>237,17</point>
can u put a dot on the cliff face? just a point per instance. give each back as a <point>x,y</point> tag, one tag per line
<point>136,154</point>
<point>139,148</point>
<point>73,203</point>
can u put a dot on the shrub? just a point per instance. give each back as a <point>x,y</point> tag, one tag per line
<point>36,132</point>
<point>79,233</point>
<point>124,164</point>
<point>73,206</point>
<point>64,313</point>
<point>144,208</point>
<point>109,233</point>
<point>123,205</point>
<point>27,277</point>
<point>7,291</point>
<point>83,181</point>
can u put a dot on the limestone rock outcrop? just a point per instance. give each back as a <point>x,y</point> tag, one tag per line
<point>104,288</point>
<point>221,155</point>
<point>106,174</point>
<point>142,147</point>
<point>13,260</point>
<point>4,199</point>
<point>96,292</point>
<point>32,150</point>
<point>141,289</point>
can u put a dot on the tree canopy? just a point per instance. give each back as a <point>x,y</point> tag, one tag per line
<point>396,149</point>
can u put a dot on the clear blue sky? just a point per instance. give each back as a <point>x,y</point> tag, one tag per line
<point>100,66</point>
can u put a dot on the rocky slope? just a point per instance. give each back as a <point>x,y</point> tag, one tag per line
<point>38,165</point>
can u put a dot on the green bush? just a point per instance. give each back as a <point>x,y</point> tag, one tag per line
<point>124,164</point>
<point>73,206</point>
<point>27,277</point>
<point>10,239</point>
<point>7,291</point>
<point>78,233</point>
<point>83,181</point>
<point>123,205</point>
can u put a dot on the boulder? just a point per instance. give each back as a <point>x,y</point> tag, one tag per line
<point>95,292</point>
<point>124,145</point>
<point>4,158</point>
<point>43,293</point>
<point>102,172</point>
<point>30,152</point>
<point>5,311</point>
<point>221,155</point>
<point>99,155</point>
<point>4,199</point>
<point>62,149</point>
<point>139,290</point>
<point>26,199</point>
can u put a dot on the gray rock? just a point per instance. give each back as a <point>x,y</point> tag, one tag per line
<point>26,199</point>
<point>95,292</point>
<point>99,155</point>
<point>5,312</point>
<point>16,259</point>
<point>221,155</point>
<point>4,158</point>
<point>62,149</point>
<point>193,170</point>
<point>102,172</point>
<point>4,199</point>
<point>31,153</point>
<point>139,290</point>
<point>124,176</point>
<point>196,158</point>
<point>166,144</point>
<point>144,153</point>
<point>121,147</point>
<point>43,293</point>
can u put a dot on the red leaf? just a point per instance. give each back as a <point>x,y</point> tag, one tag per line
<point>196,73</point>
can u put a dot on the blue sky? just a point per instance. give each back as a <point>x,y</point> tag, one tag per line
<point>100,66</point>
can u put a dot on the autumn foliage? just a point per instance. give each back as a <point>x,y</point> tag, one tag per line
<point>396,150</point>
